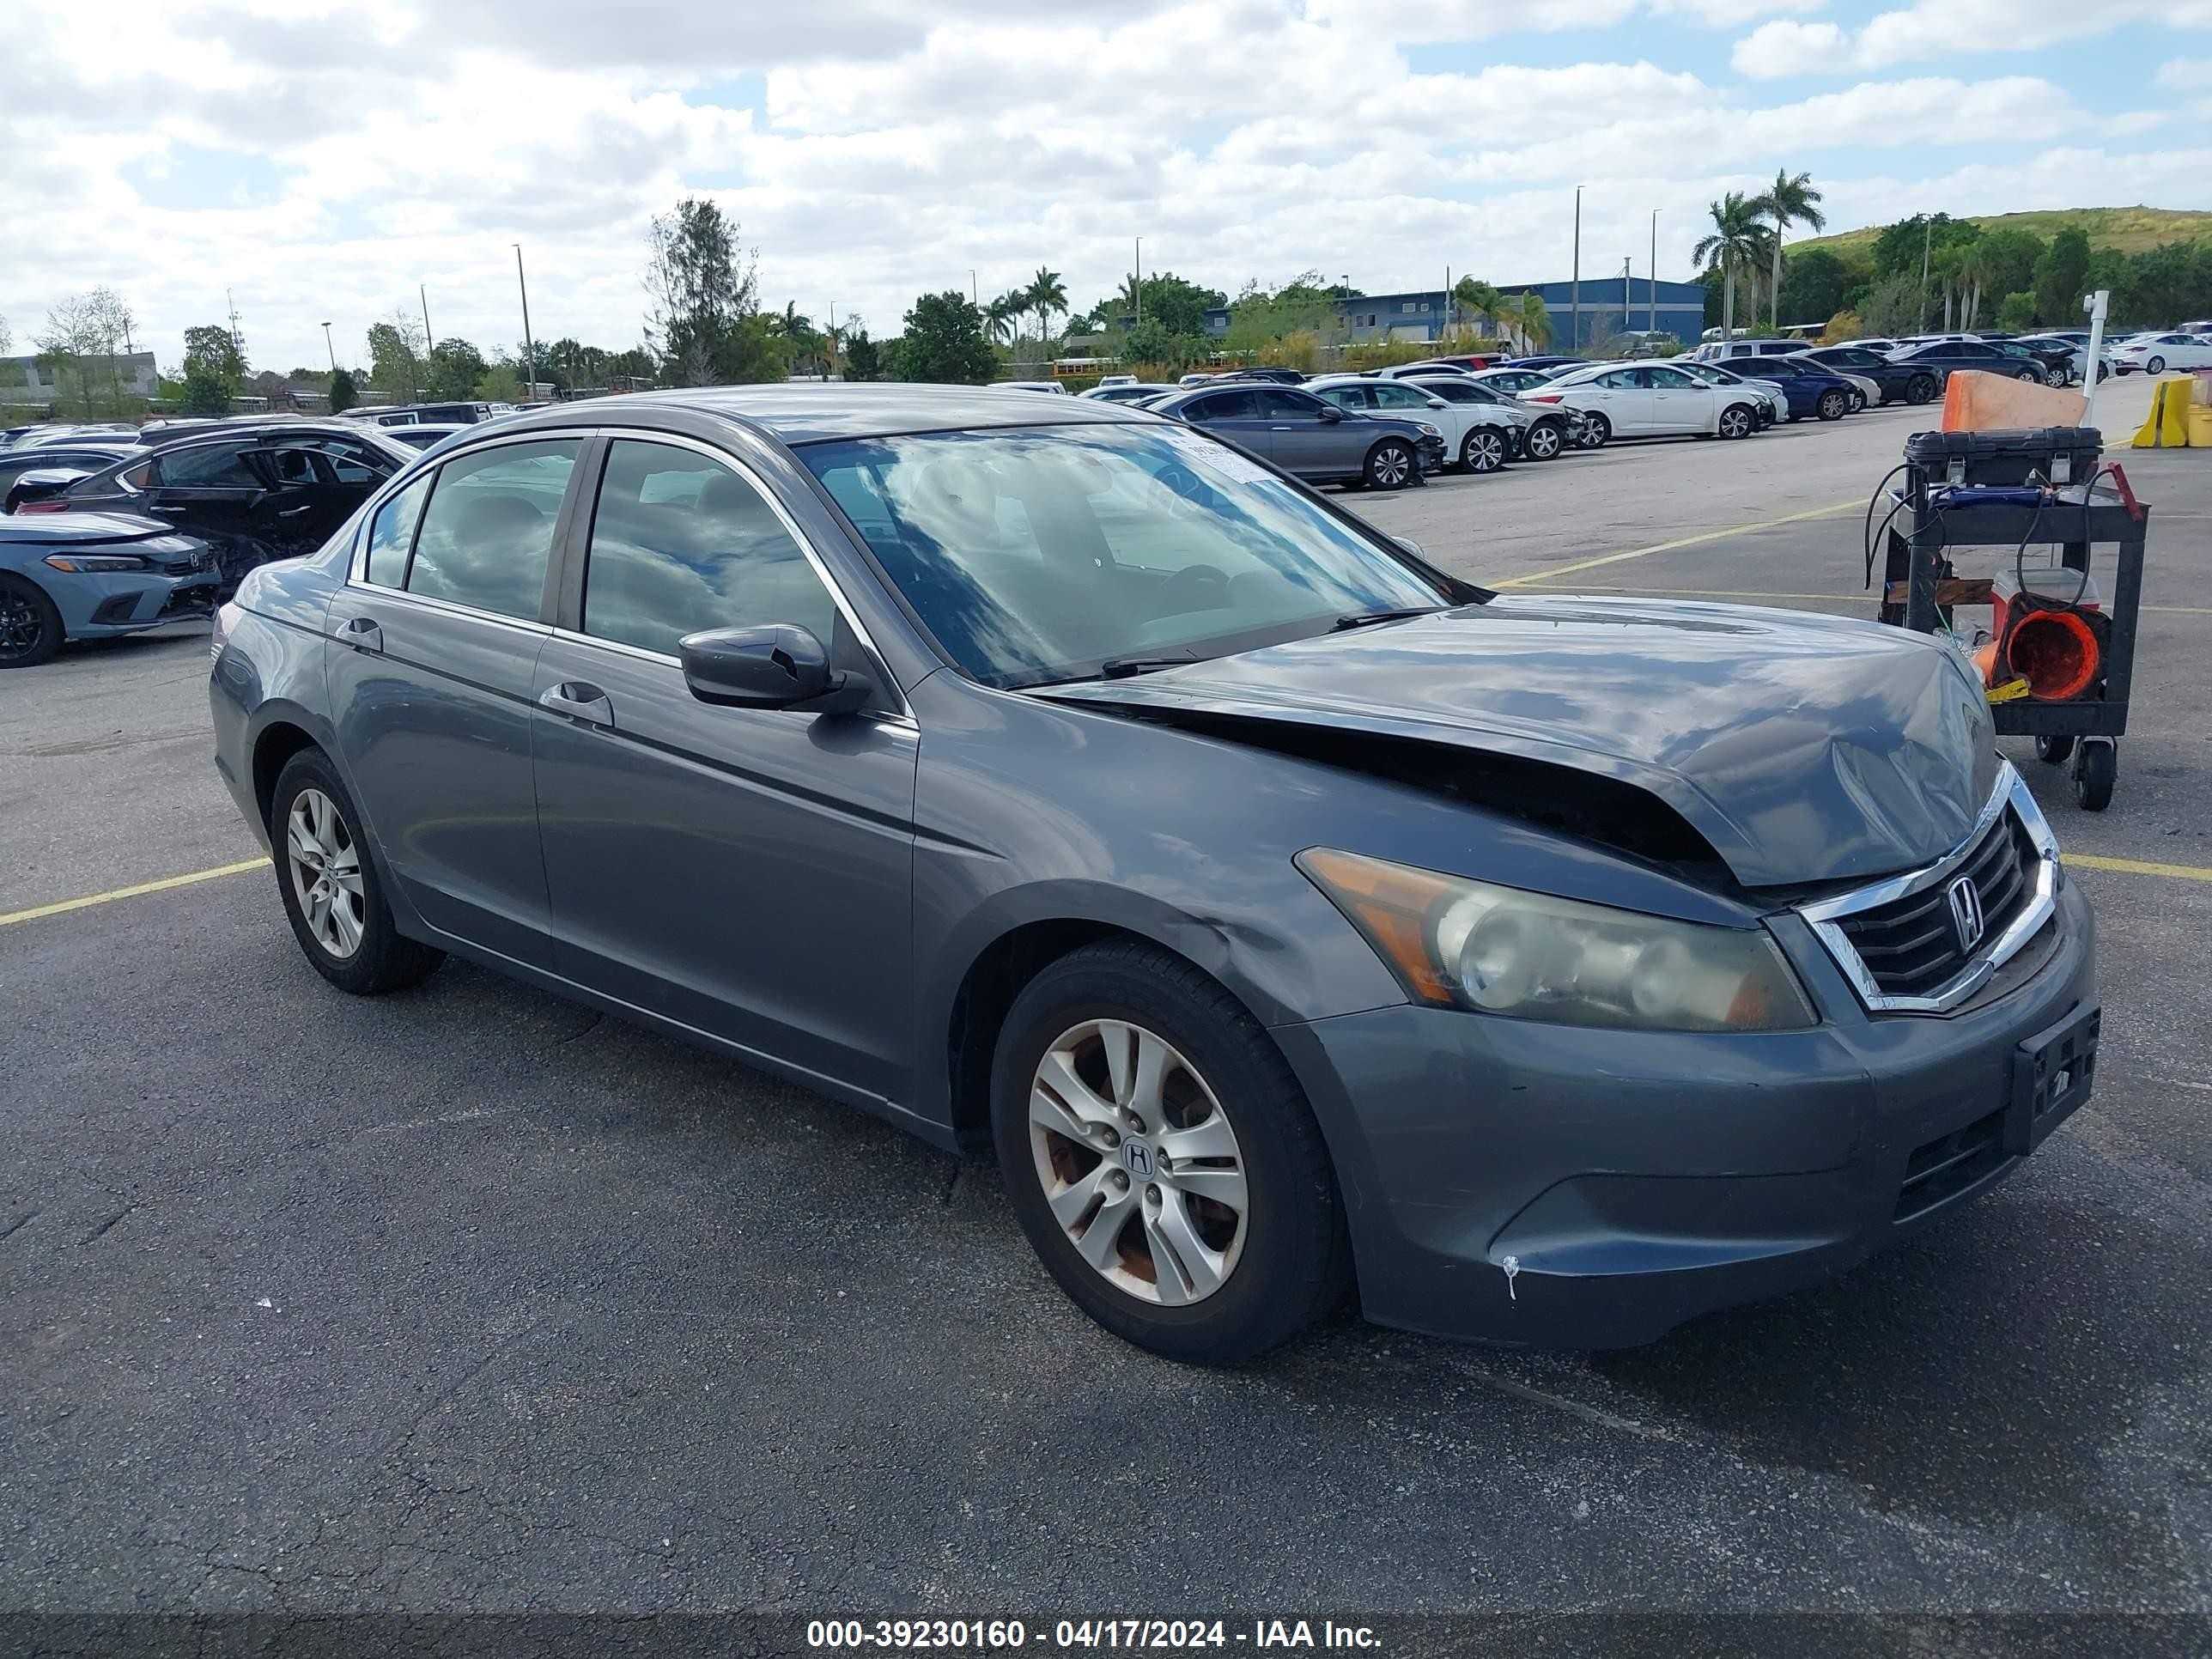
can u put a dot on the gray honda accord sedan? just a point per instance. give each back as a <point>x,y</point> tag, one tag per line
<point>1295,921</point>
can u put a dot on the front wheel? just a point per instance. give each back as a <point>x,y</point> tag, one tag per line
<point>1857,400</point>
<point>2156,366</point>
<point>1484,450</point>
<point>1919,389</point>
<point>30,626</point>
<point>1737,422</point>
<point>1161,1157</point>
<point>332,893</point>
<point>1543,441</point>
<point>2033,376</point>
<point>1833,406</point>
<point>1597,432</point>
<point>1391,465</point>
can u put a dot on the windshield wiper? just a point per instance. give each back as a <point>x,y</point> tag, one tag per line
<point>1362,618</point>
<point>1122,668</point>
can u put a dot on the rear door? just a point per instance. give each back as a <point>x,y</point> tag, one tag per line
<point>209,491</point>
<point>746,871</point>
<point>434,644</point>
<point>1235,415</point>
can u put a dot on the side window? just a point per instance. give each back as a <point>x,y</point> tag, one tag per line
<point>391,534</point>
<point>1672,378</point>
<point>487,535</point>
<point>353,462</point>
<point>1390,395</point>
<point>210,466</point>
<point>680,542</point>
<point>1350,397</point>
<point>1277,404</point>
<point>1620,379</point>
<point>1228,406</point>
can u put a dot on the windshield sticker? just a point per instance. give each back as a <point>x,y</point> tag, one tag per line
<point>1217,457</point>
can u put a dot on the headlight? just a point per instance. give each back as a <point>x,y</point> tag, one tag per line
<point>1457,942</point>
<point>1428,431</point>
<point>90,563</point>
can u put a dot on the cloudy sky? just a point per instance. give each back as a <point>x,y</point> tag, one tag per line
<point>321,158</point>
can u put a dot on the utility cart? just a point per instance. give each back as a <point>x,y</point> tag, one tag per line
<point>2015,494</point>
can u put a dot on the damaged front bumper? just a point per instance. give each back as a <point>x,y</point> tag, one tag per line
<point>1515,1182</point>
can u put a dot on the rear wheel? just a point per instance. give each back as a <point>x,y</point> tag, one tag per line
<point>1543,441</point>
<point>2096,769</point>
<point>1833,406</point>
<point>1919,389</point>
<point>1161,1157</point>
<point>1737,421</point>
<point>332,893</point>
<point>1484,450</point>
<point>2032,375</point>
<point>1391,465</point>
<point>2156,366</point>
<point>30,627</point>
<point>1597,431</point>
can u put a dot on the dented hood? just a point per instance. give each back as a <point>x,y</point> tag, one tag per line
<point>1803,748</point>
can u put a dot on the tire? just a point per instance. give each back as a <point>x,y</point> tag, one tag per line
<point>2096,769</point>
<point>1392,464</point>
<point>1264,1274</point>
<point>1484,450</point>
<point>2156,366</point>
<point>1920,389</point>
<point>2052,750</point>
<point>1737,421</point>
<point>317,849</point>
<point>1857,400</point>
<point>1833,406</point>
<point>1597,431</point>
<point>1543,441</point>
<point>30,626</point>
<point>2033,376</point>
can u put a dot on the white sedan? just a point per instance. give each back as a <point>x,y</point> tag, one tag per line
<point>1650,400</point>
<point>2154,354</point>
<point>1478,436</point>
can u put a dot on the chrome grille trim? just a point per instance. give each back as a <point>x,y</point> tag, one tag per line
<point>2011,794</point>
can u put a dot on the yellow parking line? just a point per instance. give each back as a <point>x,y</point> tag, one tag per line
<point>2141,867</point>
<point>1684,541</point>
<point>144,887</point>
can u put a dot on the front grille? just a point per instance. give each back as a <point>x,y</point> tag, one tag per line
<point>1910,945</point>
<point>188,601</point>
<point>1946,1166</point>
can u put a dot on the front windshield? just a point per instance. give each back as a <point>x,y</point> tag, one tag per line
<point>1041,554</point>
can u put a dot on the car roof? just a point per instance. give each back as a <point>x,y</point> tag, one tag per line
<point>801,413</point>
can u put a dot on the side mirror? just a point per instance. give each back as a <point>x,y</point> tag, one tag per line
<point>780,665</point>
<point>1330,412</point>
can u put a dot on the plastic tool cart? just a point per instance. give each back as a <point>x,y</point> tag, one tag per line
<point>2060,655</point>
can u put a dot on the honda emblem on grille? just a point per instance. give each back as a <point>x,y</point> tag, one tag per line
<point>1966,912</point>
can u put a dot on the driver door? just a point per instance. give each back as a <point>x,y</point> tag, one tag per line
<point>744,871</point>
<point>1302,431</point>
<point>1678,403</point>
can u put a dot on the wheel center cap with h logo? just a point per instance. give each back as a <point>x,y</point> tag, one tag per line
<point>1137,1157</point>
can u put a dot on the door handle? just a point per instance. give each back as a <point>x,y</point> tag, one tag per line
<point>362,634</point>
<point>578,701</point>
<point>294,512</point>
<point>1278,428</point>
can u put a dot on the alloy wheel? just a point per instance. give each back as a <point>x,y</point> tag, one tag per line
<point>1735,421</point>
<point>1138,1162</point>
<point>324,864</point>
<point>1541,441</point>
<point>2156,366</point>
<point>21,626</point>
<point>1389,467</point>
<point>1483,451</point>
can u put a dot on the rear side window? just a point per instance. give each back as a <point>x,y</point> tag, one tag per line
<point>1228,406</point>
<point>487,535</point>
<point>1351,397</point>
<point>1391,395</point>
<point>211,466</point>
<point>391,534</point>
<point>681,543</point>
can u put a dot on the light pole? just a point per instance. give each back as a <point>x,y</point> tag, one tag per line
<point>1651,294</point>
<point>829,340</point>
<point>1627,294</point>
<point>1575,284</point>
<point>1137,283</point>
<point>529,347</point>
<point>974,294</point>
<point>332,349</point>
<point>429,340</point>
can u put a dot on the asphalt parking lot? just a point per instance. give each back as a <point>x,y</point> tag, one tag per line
<point>469,1300</point>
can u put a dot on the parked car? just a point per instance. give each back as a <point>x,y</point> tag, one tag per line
<point>466,413</point>
<point>2203,325</point>
<point>1538,435</point>
<point>1723,351</point>
<point>1279,376</point>
<point>1128,392</point>
<point>1773,402</point>
<point>2068,356</point>
<point>2154,354</point>
<point>1650,400</point>
<point>424,434</point>
<point>91,575</point>
<point>1809,389</point>
<point>1115,379</point>
<point>1478,436</point>
<point>1517,381</point>
<point>1314,440</point>
<point>1544,362</point>
<point>1051,387</point>
<point>1411,371</point>
<point>1288,915</point>
<point>267,493</point>
<point>47,461</point>
<point>1893,382</point>
<point>1942,357</point>
<point>1468,361</point>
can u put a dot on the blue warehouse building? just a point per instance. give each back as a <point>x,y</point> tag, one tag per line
<point>1608,305</point>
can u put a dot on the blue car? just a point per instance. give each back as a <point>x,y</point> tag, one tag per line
<point>88,576</point>
<point>1808,388</point>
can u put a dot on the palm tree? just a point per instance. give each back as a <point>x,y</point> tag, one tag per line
<point>1004,314</point>
<point>1789,202</point>
<point>1734,245</point>
<point>1046,293</point>
<point>1476,296</point>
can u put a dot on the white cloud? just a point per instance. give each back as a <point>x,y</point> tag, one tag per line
<point>2185,74</point>
<point>1935,28</point>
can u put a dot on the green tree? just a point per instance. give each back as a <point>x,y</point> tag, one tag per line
<point>1814,285</point>
<point>2016,311</point>
<point>1788,201</point>
<point>1734,245</point>
<point>1179,306</point>
<point>1892,306</point>
<point>704,321</point>
<point>1897,250</point>
<point>2061,278</point>
<point>1046,294</point>
<point>2008,258</point>
<point>1476,300</point>
<point>214,369</point>
<point>395,356</point>
<point>344,394</point>
<point>802,341</point>
<point>456,366</point>
<point>862,361</point>
<point>943,341</point>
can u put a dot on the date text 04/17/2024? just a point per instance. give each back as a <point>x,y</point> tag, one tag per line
<point>1080,1635</point>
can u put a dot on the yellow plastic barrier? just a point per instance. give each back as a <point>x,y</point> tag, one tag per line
<point>2167,425</point>
<point>2200,426</point>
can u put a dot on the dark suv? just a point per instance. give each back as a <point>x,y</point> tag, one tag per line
<point>1898,381</point>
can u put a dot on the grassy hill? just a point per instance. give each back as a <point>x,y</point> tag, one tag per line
<point>2131,229</point>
